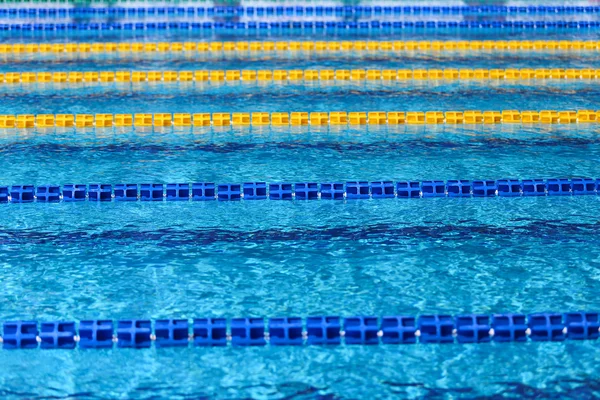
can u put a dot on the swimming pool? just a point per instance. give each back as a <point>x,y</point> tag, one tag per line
<point>153,260</point>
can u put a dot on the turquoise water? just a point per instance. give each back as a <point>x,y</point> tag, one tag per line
<point>380,257</point>
<point>343,154</point>
<point>270,258</point>
<point>319,97</point>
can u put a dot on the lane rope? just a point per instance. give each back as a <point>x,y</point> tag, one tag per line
<point>295,75</point>
<point>352,190</point>
<point>298,27</point>
<point>370,10</point>
<point>296,331</point>
<point>291,47</point>
<point>32,121</point>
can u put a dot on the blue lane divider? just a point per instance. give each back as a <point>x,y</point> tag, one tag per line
<point>303,11</point>
<point>294,331</point>
<point>296,25</point>
<point>353,190</point>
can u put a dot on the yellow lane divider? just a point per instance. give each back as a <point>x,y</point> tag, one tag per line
<point>299,118</point>
<point>296,46</point>
<point>300,75</point>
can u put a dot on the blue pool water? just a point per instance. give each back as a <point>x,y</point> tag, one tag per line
<point>275,98</point>
<point>268,258</point>
<point>68,261</point>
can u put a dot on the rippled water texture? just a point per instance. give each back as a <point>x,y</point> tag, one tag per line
<point>267,258</point>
